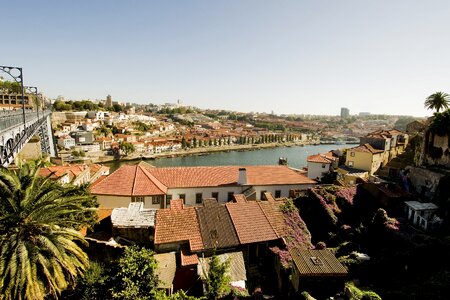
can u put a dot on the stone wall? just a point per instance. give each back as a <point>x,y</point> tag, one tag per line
<point>424,181</point>
<point>435,150</point>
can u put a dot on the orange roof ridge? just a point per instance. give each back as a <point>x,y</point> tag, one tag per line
<point>150,176</point>
<point>134,181</point>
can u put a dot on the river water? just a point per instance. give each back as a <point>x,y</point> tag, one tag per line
<point>296,157</point>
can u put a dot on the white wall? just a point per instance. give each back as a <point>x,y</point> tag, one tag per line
<point>316,170</point>
<point>223,191</point>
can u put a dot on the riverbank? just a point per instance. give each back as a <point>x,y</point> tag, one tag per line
<point>197,151</point>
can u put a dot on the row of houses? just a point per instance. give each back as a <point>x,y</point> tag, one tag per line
<point>376,149</point>
<point>188,213</point>
<point>241,231</point>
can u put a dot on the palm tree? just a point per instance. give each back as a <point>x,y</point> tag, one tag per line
<point>39,218</point>
<point>437,101</point>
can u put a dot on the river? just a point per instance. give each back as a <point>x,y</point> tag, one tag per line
<point>296,157</point>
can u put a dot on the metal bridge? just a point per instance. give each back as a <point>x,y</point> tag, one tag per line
<point>18,127</point>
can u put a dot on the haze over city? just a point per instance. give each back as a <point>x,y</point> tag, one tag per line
<point>303,57</point>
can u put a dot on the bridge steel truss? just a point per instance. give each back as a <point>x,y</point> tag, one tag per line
<point>17,128</point>
<point>14,136</point>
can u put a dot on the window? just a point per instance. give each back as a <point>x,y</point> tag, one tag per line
<point>156,199</point>
<point>352,154</point>
<point>215,195</point>
<point>198,198</point>
<point>137,199</point>
<point>277,193</point>
<point>350,163</point>
<point>168,198</point>
<point>182,196</point>
<point>263,197</point>
<point>323,166</point>
<point>230,196</point>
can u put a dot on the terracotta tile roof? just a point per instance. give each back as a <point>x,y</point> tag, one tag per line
<point>317,263</point>
<point>273,213</point>
<point>366,148</point>
<point>187,258</point>
<point>72,170</point>
<point>103,213</point>
<point>216,227</point>
<point>321,158</point>
<point>178,225</point>
<point>239,198</point>
<point>129,181</point>
<point>227,175</point>
<point>141,180</point>
<point>250,222</point>
<point>100,179</point>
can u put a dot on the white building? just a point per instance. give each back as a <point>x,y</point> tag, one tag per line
<point>422,214</point>
<point>321,164</point>
<point>66,142</point>
<point>157,186</point>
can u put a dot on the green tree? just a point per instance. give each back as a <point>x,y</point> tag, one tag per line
<point>183,143</point>
<point>117,107</point>
<point>137,275</point>
<point>127,147</point>
<point>40,256</point>
<point>438,101</point>
<point>217,281</point>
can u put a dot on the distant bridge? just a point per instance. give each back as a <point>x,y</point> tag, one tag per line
<point>18,127</point>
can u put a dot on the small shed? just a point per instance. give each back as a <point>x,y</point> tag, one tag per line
<point>236,271</point>
<point>422,214</point>
<point>318,272</point>
<point>134,222</point>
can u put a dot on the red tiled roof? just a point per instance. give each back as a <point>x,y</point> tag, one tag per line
<point>239,198</point>
<point>141,180</point>
<point>178,225</point>
<point>72,170</point>
<point>187,258</point>
<point>273,213</point>
<point>129,181</point>
<point>320,158</point>
<point>366,148</point>
<point>250,222</point>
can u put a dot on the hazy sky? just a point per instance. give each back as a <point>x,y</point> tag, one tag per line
<point>297,56</point>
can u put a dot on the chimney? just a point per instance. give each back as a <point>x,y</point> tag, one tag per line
<point>242,180</point>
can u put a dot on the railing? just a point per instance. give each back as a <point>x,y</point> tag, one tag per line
<point>12,118</point>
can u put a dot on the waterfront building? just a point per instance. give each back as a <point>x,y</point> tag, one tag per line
<point>365,157</point>
<point>321,164</point>
<point>157,186</point>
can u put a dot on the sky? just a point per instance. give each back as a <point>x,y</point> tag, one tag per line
<point>289,57</point>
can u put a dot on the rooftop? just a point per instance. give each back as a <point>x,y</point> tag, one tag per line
<point>250,222</point>
<point>366,148</point>
<point>216,226</point>
<point>317,263</point>
<point>135,216</point>
<point>236,271</point>
<point>416,205</point>
<point>178,224</point>
<point>167,266</point>
<point>142,180</point>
